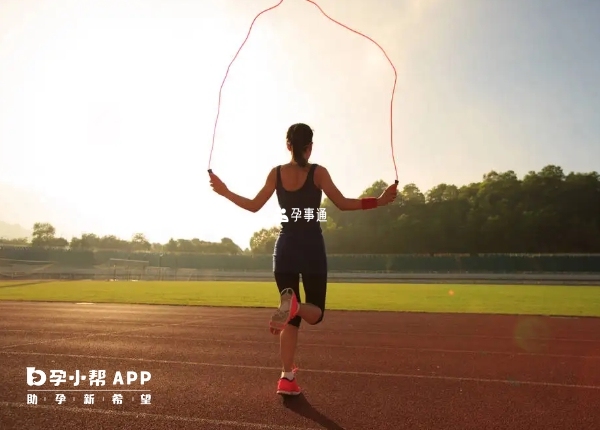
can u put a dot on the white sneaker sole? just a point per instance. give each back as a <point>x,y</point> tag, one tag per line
<point>281,316</point>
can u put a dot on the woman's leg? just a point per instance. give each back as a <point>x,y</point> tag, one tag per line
<point>314,281</point>
<point>309,312</point>
<point>288,341</point>
<point>315,289</point>
<point>288,338</point>
<point>288,335</point>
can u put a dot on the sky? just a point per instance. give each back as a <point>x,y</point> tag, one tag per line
<point>107,109</point>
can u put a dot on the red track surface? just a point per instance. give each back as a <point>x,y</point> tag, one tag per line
<point>217,368</point>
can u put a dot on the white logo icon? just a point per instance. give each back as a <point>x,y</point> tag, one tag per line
<point>284,217</point>
<point>31,372</point>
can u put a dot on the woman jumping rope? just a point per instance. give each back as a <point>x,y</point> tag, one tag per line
<point>300,248</point>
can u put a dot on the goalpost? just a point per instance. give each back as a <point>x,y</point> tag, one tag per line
<point>127,269</point>
<point>20,269</point>
<point>156,273</point>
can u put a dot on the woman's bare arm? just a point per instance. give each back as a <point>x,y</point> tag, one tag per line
<point>325,182</point>
<point>255,204</point>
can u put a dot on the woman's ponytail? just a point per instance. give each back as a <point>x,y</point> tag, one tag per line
<point>299,136</point>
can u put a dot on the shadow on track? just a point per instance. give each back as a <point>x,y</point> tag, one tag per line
<point>300,405</point>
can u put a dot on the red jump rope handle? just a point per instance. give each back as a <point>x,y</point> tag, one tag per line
<point>396,180</point>
<point>210,171</point>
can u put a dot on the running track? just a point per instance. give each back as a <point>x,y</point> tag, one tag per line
<point>217,369</point>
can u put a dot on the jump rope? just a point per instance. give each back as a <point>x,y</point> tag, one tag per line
<point>347,28</point>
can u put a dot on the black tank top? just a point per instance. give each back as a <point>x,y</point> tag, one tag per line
<point>302,207</point>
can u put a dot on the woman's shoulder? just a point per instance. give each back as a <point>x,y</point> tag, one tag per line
<point>319,168</point>
<point>291,166</point>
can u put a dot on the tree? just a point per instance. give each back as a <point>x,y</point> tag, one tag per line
<point>411,194</point>
<point>140,243</point>
<point>113,243</point>
<point>263,241</point>
<point>230,247</point>
<point>15,241</point>
<point>44,235</point>
<point>87,241</point>
<point>171,246</point>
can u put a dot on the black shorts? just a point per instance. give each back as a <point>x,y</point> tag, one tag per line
<point>299,252</point>
<point>315,290</point>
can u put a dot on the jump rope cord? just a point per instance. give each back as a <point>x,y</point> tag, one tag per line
<point>347,28</point>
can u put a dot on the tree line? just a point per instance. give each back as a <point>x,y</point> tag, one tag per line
<point>544,212</point>
<point>44,235</point>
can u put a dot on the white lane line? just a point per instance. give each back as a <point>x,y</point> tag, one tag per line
<point>193,324</point>
<point>324,371</point>
<point>329,345</point>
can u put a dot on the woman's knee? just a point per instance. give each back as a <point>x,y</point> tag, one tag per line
<point>315,287</point>
<point>318,320</point>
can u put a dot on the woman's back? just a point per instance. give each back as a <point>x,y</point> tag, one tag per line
<point>299,199</point>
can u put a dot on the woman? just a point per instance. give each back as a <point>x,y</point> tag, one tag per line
<point>300,249</point>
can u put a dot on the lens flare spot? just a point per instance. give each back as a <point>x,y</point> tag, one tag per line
<point>532,334</point>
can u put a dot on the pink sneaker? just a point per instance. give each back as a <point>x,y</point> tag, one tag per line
<point>288,388</point>
<point>288,308</point>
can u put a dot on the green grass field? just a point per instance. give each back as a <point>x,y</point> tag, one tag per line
<point>505,299</point>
